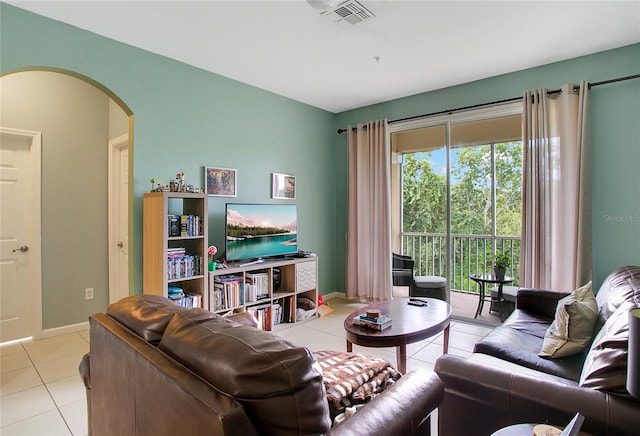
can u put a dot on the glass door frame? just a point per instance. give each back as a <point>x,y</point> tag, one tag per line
<point>502,110</point>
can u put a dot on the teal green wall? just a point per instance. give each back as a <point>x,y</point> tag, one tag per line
<point>615,121</point>
<point>186,118</point>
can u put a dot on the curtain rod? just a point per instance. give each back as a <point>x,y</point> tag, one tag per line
<point>508,100</point>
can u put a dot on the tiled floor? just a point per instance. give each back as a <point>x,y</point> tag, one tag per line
<point>41,390</point>
<point>42,393</point>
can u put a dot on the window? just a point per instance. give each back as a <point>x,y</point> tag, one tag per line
<point>458,192</point>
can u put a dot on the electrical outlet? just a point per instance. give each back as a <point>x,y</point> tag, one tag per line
<point>88,294</point>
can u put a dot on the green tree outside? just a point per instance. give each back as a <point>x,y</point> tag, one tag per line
<point>424,208</point>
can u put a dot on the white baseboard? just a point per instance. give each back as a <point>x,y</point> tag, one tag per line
<point>57,331</point>
<point>332,295</point>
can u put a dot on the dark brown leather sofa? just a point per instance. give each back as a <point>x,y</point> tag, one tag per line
<point>155,368</point>
<point>505,381</point>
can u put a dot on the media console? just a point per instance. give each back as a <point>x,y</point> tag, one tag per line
<point>276,291</point>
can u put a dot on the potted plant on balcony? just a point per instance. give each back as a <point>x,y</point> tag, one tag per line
<point>500,265</point>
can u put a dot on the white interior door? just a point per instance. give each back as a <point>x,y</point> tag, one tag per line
<point>118,218</point>
<point>20,255</point>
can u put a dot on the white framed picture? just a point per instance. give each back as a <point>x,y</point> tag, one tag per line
<point>220,181</point>
<point>283,186</point>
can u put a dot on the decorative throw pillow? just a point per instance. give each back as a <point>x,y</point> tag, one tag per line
<point>572,329</point>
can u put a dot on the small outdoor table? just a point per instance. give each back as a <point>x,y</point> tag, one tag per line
<point>482,280</point>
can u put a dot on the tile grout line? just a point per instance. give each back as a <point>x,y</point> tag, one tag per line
<point>57,407</point>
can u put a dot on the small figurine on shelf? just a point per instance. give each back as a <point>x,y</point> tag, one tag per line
<point>194,190</point>
<point>158,185</point>
<point>212,252</point>
<point>181,182</point>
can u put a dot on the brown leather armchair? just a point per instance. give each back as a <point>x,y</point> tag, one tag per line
<point>156,368</point>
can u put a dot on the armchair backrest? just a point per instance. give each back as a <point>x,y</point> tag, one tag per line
<point>401,261</point>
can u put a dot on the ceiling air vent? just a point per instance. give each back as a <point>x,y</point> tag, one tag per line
<point>350,12</point>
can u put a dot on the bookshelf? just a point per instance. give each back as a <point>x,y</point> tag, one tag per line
<point>175,257</point>
<point>272,290</point>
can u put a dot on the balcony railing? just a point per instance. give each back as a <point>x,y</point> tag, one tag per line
<point>471,254</point>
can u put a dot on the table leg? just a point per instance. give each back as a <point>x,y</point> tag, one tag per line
<point>481,301</point>
<point>401,356</point>
<point>349,346</point>
<point>445,340</point>
<point>501,302</point>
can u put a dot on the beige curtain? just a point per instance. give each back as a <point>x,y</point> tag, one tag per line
<point>369,212</point>
<point>556,215</point>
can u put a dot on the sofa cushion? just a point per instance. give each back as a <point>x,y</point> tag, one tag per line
<point>572,329</point>
<point>275,381</point>
<point>519,340</point>
<point>145,315</point>
<point>605,367</point>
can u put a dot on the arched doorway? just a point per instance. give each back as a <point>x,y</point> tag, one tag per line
<point>76,118</point>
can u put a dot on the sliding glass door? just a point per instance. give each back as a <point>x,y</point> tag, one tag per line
<point>457,191</point>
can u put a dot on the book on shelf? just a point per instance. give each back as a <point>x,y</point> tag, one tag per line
<point>277,279</point>
<point>174,292</point>
<point>174,225</point>
<point>184,225</point>
<point>226,291</point>
<point>263,315</point>
<point>189,300</point>
<point>380,323</point>
<point>259,284</point>
<point>182,298</point>
<point>287,310</point>
<point>276,313</point>
<point>182,265</point>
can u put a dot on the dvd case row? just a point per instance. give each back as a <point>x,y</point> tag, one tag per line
<point>181,265</point>
<point>184,225</point>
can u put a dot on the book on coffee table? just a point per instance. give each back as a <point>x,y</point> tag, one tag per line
<point>380,323</point>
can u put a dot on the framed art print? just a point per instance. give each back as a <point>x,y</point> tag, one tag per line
<point>220,181</point>
<point>283,186</point>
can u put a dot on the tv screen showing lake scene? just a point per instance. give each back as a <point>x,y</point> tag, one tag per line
<point>260,230</point>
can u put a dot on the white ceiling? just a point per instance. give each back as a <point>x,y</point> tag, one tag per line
<point>288,48</point>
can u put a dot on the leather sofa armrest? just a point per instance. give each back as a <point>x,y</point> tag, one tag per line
<point>85,371</point>
<point>244,318</point>
<point>539,301</point>
<point>400,410</point>
<point>495,393</point>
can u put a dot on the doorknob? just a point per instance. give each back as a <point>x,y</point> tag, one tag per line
<point>120,244</point>
<point>22,249</point>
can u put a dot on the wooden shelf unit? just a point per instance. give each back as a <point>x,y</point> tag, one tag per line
<point>298,278</point>
<point>156,242</point>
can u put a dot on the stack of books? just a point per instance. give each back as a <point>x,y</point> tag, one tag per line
<point>256,286</point>
<point>380,323</point>
<point>226,291</point>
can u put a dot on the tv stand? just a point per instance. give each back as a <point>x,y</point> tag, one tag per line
<point>275,291</point>
<point>253,262</point>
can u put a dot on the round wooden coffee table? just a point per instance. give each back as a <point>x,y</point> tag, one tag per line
<point>410,324</point>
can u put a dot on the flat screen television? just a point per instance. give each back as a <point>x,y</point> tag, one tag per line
<point>258,231</point>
